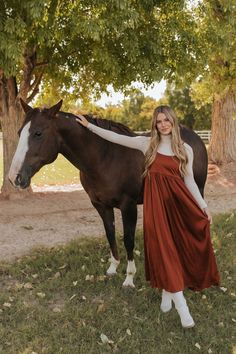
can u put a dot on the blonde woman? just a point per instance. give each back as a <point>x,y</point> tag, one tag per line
<point>176,219</point>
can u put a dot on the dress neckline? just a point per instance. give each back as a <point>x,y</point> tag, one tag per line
<point>166,155</point>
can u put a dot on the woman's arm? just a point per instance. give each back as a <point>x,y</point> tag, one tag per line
<point>191,184</point>
<point>138,142</point>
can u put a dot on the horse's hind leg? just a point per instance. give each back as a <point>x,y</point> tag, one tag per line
<point>107,215</point>
<point>129,218</point>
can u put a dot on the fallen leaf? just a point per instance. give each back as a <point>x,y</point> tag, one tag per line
<point>105,339</point>
<point>204,297</point>
<point>41,295</point>
<point>75,282</point>
<point>72,297</point>
<point>233,319</point>
<point>57,275</point>
<point>27,227</point>
<point>89,277</point>
<point>101,308</point>
<point>19,286</point>
<point>63,266</point>
<point>197,345</point>
<point>128,331</point>
<point>7,304</point>
<point>223,289</point>
<point>210,351</point>
<point>35,276</point>
<point>83,298</point>
<point>28,286</point>
<point>101,277</point>
<point>56,309</point>
<point>137,252</point>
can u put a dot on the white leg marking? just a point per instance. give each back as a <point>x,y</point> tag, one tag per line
<point>113,266</point>
<point>130,272</point>
<point>19,157</point>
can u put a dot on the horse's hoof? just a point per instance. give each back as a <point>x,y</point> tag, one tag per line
<point>128,285</point>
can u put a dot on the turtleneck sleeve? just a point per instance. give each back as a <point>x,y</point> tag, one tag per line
<point>189,179</point>
<point>134,142</point>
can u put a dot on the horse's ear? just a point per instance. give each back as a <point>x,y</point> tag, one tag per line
<point>25,106</point>
<point>55,109</point>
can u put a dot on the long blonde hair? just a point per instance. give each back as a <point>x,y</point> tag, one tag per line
<point>176,142</point>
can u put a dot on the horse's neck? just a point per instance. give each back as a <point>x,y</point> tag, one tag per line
<point>79,145</point>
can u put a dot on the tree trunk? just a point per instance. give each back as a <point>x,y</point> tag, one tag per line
<point>222,148</point>
<point>11,120</point>
<point>10,140</point>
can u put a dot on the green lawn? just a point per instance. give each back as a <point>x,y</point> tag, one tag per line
<point>59,172</point>
<point>48,306</point>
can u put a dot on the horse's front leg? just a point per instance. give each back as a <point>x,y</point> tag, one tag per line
<point>129,218</point>
<point>107,215</point>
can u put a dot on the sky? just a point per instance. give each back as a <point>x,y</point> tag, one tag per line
<point>156,91</point>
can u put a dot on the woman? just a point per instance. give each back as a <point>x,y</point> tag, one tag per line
<point>177,243</point>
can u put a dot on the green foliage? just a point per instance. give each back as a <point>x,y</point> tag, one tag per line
<point>135,111</point>
<point>48,306</point>
<point>90,44</point>
<point>180,100</point>
<point>210,63</point>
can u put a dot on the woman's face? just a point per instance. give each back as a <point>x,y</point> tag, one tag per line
<point>163,124</point>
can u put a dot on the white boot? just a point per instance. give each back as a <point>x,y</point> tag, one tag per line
<point>166,301</point>
<point>182,308</point>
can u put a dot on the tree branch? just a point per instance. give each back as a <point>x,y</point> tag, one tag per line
<point>3,93</point>
<point>12,90</point>
<point>35,86</point>
<point>29,65</point>
<point>43,63</point>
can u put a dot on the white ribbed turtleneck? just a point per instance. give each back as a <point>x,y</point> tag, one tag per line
<point>165,145</point>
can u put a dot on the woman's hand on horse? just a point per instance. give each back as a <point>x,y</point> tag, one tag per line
<point>208,214</point>
<point>82,120</point>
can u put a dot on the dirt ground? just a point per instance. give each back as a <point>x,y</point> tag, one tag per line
<point>53,216</point>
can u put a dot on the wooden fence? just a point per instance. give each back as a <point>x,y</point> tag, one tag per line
<point>205,135</point>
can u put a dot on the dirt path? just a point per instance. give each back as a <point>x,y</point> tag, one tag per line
<point>51,218</point>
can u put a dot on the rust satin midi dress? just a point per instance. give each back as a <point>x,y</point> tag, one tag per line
<point>177,242</point>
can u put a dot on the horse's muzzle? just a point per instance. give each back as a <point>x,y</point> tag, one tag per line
<point>22,181</point>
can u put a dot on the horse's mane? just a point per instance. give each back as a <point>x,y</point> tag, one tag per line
<point>109,125</point>
<point>106,124</point>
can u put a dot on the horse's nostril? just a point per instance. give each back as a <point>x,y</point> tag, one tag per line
<point>18,179</point>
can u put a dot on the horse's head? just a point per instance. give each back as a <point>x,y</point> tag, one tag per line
<point>38,144</point>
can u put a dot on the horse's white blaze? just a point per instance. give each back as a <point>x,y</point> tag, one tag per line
<point>130,272</point>
<point>19,156</point>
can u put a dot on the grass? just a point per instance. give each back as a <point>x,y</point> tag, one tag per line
<point>59,172</point>
<point>48,306</point>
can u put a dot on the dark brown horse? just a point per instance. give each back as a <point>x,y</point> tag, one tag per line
<point>110,173</point>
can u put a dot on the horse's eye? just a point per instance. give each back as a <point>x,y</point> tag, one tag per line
<point>37,134</point>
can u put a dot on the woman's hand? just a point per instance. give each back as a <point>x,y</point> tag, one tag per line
<point>208,214</point>
<point>82,120</point>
